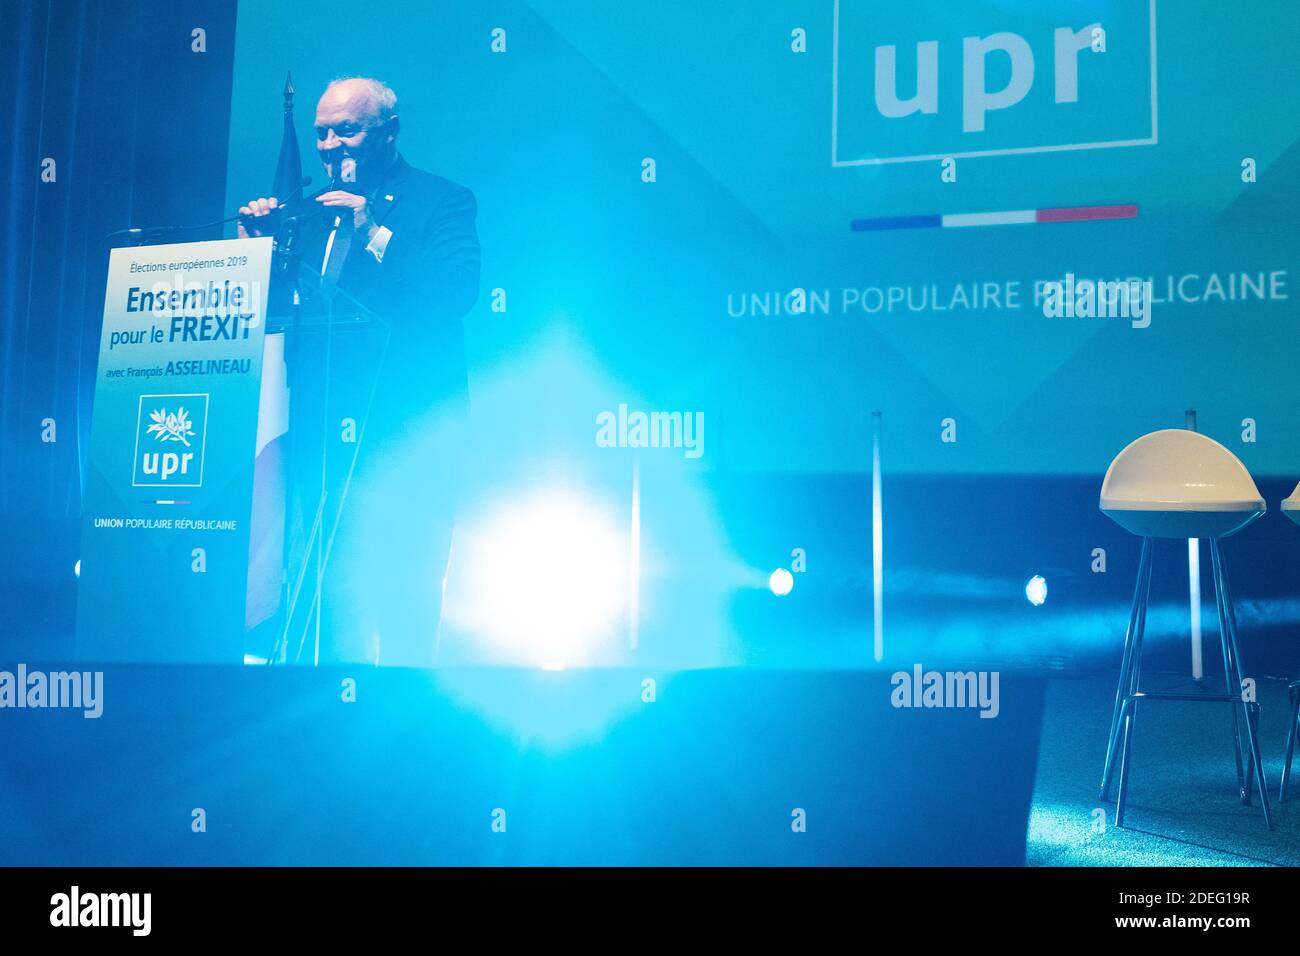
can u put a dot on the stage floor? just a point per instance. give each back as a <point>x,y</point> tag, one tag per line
<point>386,766</point>
<point>590,774</point>
<point>1183,805</point>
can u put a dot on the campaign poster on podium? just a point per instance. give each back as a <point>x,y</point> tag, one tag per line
<point>169,480</point>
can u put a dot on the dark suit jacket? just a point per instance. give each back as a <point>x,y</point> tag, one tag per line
<point>395,530</point>
<point>427,281</point>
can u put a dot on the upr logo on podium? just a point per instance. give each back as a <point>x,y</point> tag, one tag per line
<point>171,434</point>
<point>931,79</point>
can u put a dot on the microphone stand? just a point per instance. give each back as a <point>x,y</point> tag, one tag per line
<point>139,235</point>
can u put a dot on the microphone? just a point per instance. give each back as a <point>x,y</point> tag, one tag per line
<point>300,210</point>
<point>307,208</point>
<point>339,182</point>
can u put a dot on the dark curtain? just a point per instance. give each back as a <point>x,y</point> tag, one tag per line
<point>137,125</point>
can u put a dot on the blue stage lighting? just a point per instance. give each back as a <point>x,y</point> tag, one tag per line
<point>781,582</point>
<point>545,580</point>
<point>1036,590</point>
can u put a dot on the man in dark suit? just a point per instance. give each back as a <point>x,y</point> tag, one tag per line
<point>399,243</point>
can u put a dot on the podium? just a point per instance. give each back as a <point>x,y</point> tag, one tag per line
<point>194,386</point>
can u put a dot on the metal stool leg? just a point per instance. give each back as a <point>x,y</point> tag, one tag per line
<point>1253,709</point>
<point>1126,759</point>
<point>1229,669</point>
<point>1126,685</point>
<point>1249,711</point>
<point>1293,692</point>
<point>1121,691</point>
<point>1246,797</point>
<point>1130,702</point>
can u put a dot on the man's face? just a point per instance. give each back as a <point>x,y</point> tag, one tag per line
<point>353,145</point>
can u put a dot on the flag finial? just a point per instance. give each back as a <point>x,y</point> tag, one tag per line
<point>288,168</point>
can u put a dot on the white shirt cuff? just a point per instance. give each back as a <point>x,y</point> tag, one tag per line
<point>379,243</point>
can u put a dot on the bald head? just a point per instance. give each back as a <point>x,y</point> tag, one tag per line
<point>364,93</point>
<point>356,128</point>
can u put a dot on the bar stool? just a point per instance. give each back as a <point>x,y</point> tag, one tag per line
<point>1177,483</point>
<point>1291,508</point>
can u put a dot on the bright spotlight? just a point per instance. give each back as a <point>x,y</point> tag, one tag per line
<point>544,580</point>
<point>1036,590</point>
<point>76,568</point>
<point>781,582</point>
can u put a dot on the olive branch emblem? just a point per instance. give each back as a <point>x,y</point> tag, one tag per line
<point>171,426</point>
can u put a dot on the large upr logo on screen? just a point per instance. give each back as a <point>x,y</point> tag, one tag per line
<point>171,433</point>
<point>931,79</point>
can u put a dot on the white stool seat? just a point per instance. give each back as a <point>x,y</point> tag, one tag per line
<point>1291,506</point>
<point>1177,483</point>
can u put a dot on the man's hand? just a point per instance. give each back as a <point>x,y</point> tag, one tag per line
<point>361,218</point>
<point>257,209</point>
